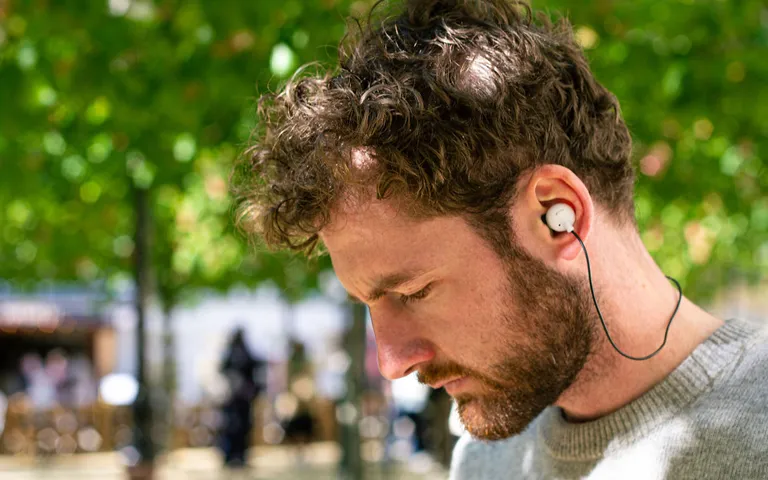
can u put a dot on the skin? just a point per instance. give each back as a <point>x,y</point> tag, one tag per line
<point>518,334</point>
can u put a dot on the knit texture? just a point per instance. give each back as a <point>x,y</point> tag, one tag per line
<point>708,419</point>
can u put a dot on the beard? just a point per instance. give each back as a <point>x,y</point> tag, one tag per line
<point>545,345</point>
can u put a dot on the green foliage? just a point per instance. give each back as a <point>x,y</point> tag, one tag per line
<point>690,76</point>
<point>98,96</point>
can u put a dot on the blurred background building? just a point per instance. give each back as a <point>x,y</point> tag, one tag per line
<point>67,376</point>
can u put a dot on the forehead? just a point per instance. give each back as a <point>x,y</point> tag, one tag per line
<point>367,218</point>
<point>377,238</point>
<point>377,222</point>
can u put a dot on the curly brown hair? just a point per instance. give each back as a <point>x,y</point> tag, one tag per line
<point>451,101</point>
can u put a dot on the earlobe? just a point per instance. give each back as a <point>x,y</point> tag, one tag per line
<point>570,251</point>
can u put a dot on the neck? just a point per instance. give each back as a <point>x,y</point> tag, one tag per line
<point>636,308</point>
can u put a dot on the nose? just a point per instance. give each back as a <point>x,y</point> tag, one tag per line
<point>399,347</point>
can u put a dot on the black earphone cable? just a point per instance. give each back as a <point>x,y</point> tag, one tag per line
<point>599,314</point>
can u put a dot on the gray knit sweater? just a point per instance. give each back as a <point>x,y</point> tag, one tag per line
<point>707,420</point>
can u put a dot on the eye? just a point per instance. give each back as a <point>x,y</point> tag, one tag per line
<point>406,299</point>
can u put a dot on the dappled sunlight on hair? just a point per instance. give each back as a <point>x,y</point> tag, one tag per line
<point>450,101</point>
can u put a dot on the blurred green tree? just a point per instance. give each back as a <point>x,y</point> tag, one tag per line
<point>98,96</point>
<point>690,76</point>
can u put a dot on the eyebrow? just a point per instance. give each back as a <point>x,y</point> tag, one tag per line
<point>391,281</point>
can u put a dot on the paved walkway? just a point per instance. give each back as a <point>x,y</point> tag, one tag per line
<point>319,462</point>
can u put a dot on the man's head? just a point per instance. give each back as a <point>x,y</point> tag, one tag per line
<point>424,165</point>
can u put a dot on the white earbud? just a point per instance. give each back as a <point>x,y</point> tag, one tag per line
<point>560,217</point>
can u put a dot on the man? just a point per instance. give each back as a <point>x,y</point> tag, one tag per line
<point>426,166</point>
<point>243,372</point>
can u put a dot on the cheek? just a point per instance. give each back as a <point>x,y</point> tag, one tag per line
<point>476,305</point>
<point>468,327</point>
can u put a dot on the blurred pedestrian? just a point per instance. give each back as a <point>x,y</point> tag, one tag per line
<point>40,387</point>
<point>242,371</point>
<point>58,371</point>
<point>83,379</point>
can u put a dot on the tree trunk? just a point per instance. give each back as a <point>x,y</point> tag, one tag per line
<point>169,374</point>
<point>349,412</point>
<point>142,407</point>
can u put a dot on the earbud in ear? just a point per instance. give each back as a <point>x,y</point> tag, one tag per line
<point>561,217</point>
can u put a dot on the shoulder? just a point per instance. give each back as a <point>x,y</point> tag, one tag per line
<point>746,378</point>
<point>479,460</point>
<point>735,411</point>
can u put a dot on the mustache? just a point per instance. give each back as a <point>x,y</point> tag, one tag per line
<point>434,373</point>
<point>437,373</point>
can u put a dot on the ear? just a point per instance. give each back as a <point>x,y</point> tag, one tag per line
<point>544,187</point>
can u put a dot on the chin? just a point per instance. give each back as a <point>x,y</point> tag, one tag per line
<point>488,422</point>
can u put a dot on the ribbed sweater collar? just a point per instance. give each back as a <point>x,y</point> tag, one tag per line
<point>696,375</point>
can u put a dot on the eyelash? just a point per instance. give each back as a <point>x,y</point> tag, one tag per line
<point>414,297</point>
